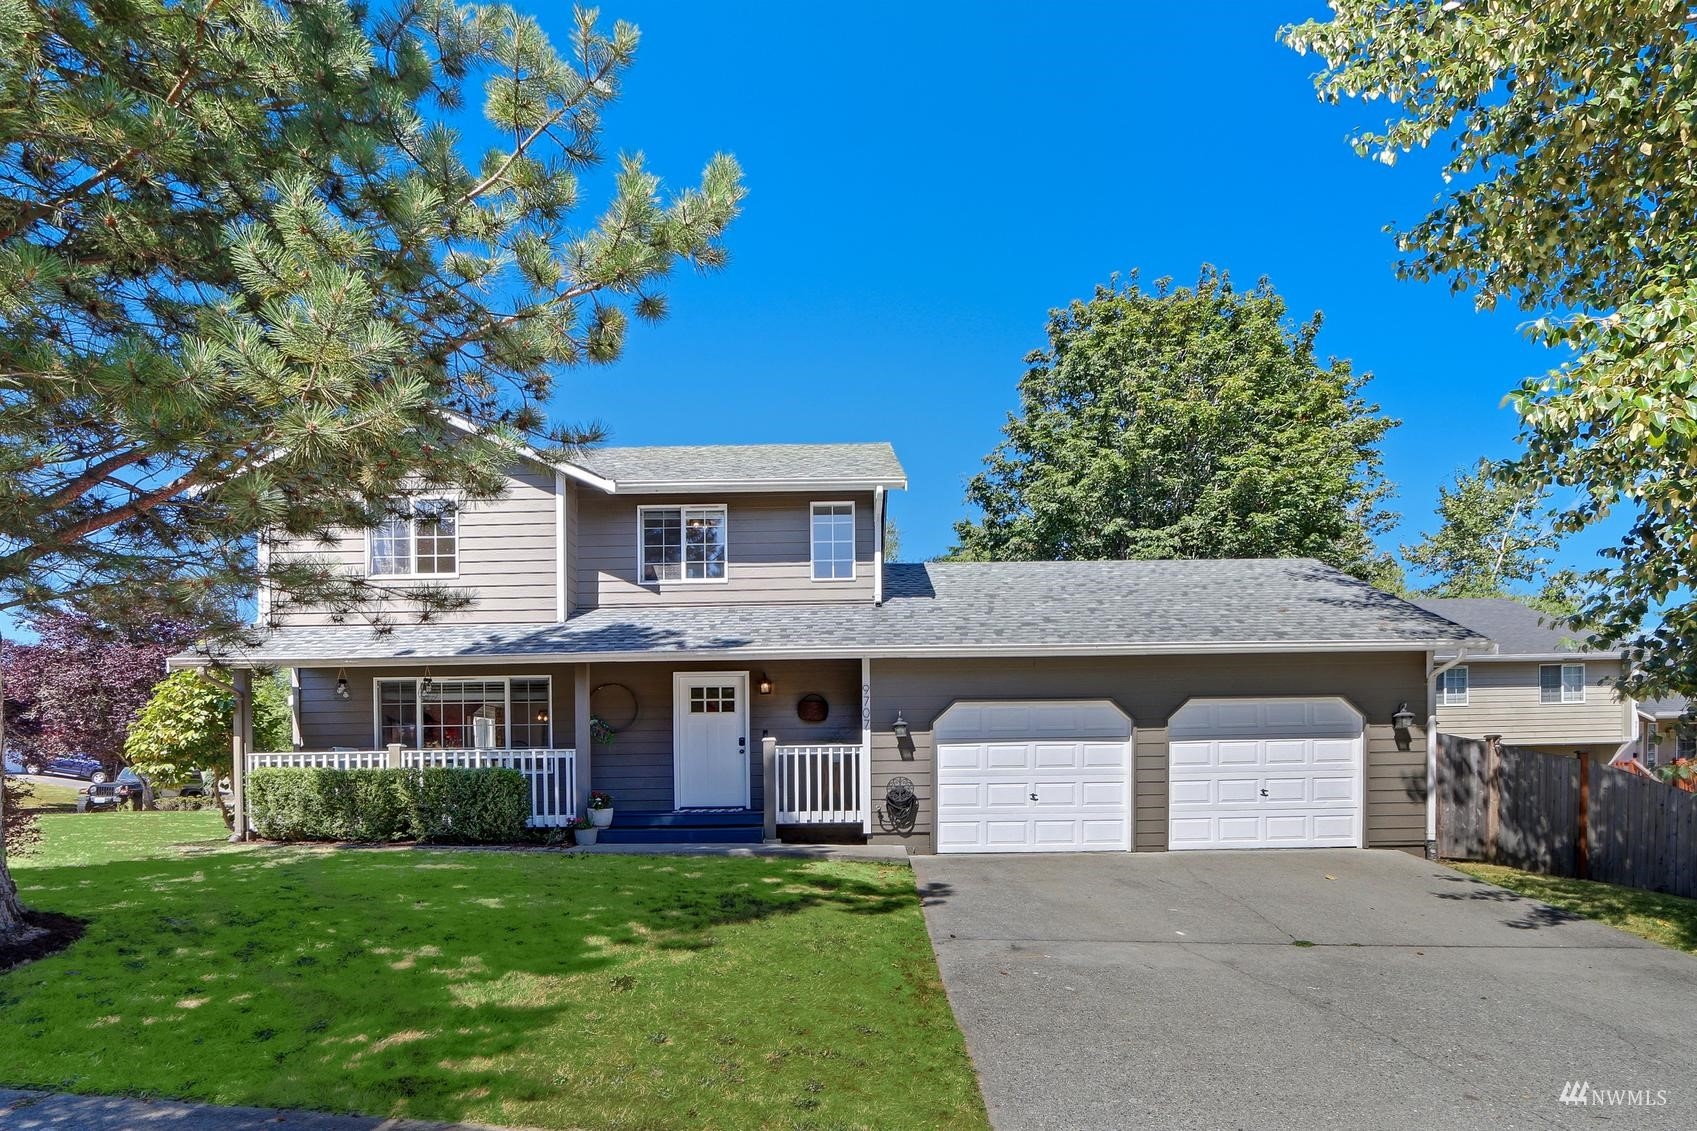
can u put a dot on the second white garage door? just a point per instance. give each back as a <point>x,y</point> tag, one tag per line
<point>1037,776</point>
<point>1265,773</point>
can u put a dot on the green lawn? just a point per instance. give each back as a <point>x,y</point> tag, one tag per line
<point>1668,919</point>
<point>51,797</point>
<point>526,988</point>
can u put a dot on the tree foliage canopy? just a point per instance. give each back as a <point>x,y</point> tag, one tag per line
<point>247,255</point>
<point>1183,423</point>
<point>1569,190</point>
<point>184,727</point>
<point>1493,534</point>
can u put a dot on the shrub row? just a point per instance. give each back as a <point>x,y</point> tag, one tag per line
<point>444,806</point>
<point>184,804</point>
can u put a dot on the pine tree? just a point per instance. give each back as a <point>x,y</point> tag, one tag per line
<point>247,258</point>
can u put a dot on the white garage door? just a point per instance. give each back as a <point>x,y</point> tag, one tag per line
<point>1265,773</point>
<point>1038,776</point>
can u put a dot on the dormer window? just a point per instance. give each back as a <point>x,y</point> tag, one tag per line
<point>419,538</point>
<point>681,544</point>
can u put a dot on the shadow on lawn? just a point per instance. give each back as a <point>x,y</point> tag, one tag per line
<point>401,983</point>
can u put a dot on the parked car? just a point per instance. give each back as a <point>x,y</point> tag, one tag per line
<point>128,787</point>
<point>68,766</point>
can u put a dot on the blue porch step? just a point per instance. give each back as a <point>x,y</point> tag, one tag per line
<point>685,826</point>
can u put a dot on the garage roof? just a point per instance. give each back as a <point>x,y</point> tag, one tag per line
<point>942,609</point>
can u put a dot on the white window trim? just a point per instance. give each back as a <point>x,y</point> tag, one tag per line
<point>724,526</point>
<point>506,682</point>
<point>412,543</point>
<point>1445,695</point>
<point>854,542</point>
<point>1564,701</point>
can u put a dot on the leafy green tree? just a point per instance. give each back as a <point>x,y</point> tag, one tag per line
<point>1183,423</point>
<point>185,727</point>
<point>273,723</point>
<point>1491,536</point>
<point>248,258</point>
<point>892,540</point>
<point>1568,191</point>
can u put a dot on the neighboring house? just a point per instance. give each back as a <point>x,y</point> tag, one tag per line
<point>727,612</point>
<point>1543,689</point>
<point>1666,730</point>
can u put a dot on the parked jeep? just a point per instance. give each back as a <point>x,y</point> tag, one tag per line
<point>128,788</point>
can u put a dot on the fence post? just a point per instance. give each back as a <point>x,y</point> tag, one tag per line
<point>1582,828</point>
<point>769,775</point>
<point>394,762</point>
<point>1493,794</point>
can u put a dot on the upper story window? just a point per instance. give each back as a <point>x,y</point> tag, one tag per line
<point>681,544</point>
<point>419,538</point>
<point>1452,687</point>
<point>833,541</point>
<point>1561,683</point>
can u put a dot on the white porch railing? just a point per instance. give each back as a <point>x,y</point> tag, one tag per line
<point>819,785</point>
<point>552,774</point>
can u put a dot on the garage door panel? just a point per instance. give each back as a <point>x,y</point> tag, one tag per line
<point>1051,776</point>
<point>1264,773</point>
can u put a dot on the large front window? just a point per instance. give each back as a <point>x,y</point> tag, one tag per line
<point>420,537</point>
<point>682,544</point>
<point>465,714</point>
<point>1561,683</point>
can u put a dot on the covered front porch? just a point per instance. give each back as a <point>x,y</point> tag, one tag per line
<point>689,751</point>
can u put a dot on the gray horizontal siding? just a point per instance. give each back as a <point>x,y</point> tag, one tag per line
<point>1503,699</point>
<point>768,544</point>
<point>506,558</point>
<point>1150,689</point>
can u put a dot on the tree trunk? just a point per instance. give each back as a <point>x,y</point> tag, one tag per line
<point>11,912</point>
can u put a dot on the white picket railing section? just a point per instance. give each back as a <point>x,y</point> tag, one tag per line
<point>552,774</point>
<point>819,785</point>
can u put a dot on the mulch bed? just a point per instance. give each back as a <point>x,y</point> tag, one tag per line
<point>51,933</point>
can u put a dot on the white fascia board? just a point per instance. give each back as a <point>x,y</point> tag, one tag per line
<point>1541,657</point>
<point>750,486</point>
<point>833,652</point>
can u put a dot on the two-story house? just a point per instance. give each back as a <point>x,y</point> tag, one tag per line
<point>1543,688</point>
<point>711,635</point>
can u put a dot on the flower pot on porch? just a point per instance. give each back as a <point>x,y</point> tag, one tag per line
<point>586,837</point>
<point>601,818</point>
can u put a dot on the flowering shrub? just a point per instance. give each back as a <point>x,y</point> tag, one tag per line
<point>600,799</point>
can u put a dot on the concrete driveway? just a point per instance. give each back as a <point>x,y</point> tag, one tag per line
<point>1311,989</point>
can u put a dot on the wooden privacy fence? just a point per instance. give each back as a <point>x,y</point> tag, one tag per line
<point>1564,816</point>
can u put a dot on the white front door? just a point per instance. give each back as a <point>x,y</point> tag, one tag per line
<point>710,740</point>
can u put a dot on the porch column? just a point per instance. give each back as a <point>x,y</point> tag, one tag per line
<point>581,740</point>
<point>241,741</point>
<point>866,743</point>
<point>297,738</point>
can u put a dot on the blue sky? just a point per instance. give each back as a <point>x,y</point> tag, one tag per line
<point>927,180</point>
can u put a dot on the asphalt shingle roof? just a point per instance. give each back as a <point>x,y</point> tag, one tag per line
<point>746,463</point>
<point>1517,629</point>
<point>932,608</point>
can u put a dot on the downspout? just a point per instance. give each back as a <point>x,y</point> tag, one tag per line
<point>878,546</point>
<point>1433,671</point>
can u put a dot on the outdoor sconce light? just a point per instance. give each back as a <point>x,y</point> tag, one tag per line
<point>342,683</point>
<point>904,737</point>
<point>765,684</point>
<point>427,680</point>
<point>1402,721</point>
<point>542,714</point>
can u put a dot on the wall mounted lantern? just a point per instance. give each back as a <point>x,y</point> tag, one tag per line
<point>428,679</point>
<point>1402,720</point>
<point>899,728</point>
<point>764,686</point>
<point>342,683</point>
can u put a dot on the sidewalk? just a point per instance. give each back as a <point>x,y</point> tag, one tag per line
<point>38,1111</point>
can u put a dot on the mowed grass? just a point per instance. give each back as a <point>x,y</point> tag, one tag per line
<point>1667,919</point>
<point>537,989</point>
<point>50,796</point>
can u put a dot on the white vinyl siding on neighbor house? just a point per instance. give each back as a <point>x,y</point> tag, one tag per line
<point>1561,683</point>
<point>420,538</point>
<point>1506,697</point>
<point>510,712</point>
<point>768,552</point>
<point>833,531</point>
<point>1452,687</point>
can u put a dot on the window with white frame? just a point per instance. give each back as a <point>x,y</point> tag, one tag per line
<point>833,541</point>
<point>419,538</point>
<point>1452,687</point>
<point>465,714</point>
<point>1561,683</point>
<point>1685,744</point>
<point>681,544</point>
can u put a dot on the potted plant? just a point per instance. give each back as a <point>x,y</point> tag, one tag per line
<point>584,832</point>
<point>601,808</point>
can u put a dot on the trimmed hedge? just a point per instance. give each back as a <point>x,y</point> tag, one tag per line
<point>449,806</point>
